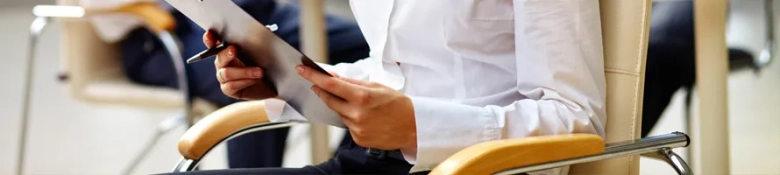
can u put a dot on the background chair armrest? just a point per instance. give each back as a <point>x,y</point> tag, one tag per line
<point>215,127</point>
<point>154,16</point>
<point>494,156</point>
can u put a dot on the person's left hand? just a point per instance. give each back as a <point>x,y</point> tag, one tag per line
<point>377,116</point>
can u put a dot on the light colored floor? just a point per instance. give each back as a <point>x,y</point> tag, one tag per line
<point>66,136</point>
<point>71,137</point>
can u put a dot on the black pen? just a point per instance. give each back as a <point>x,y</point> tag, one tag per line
<point>208,53</point>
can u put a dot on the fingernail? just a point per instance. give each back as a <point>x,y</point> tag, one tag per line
<point>257,73</point>
<point>230,52</point>
<point>315,90</point>
<point>299,69</point>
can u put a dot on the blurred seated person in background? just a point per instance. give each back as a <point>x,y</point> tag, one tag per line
<point>147,62</point>
<point>671,63</point>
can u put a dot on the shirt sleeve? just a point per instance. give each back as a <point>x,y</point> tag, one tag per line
<point>279,111</point>
<point>560,71</point>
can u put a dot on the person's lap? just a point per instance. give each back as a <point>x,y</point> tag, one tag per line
<point>351,159</point>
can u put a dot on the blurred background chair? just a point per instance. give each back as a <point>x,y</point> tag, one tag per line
<point>93,71</point>
<point>671,64</point>
<point>671,58</point>
<point>625,46</point>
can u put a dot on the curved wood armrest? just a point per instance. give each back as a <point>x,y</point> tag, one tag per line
<point>155,17</point>
<point>218,125</point>
<point>494,156</point>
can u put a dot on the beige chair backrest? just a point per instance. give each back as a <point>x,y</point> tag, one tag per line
<point>625,28</point>
<point>95,74</point>
<point>86,57</point>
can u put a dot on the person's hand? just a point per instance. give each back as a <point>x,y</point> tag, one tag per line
<point>376,116</point>
<point>235,79</point>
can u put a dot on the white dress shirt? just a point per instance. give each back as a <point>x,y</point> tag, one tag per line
<point>481,70</point>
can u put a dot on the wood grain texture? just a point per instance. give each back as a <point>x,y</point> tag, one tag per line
<point>218,125</point>
<point>494,156</point>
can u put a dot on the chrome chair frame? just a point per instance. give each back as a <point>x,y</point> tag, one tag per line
<point>36,29</point>
<point>171,44</point>
<point>655,146</point>
<point>186,165</point>
<point>767,53</point>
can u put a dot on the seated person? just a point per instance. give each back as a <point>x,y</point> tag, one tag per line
<point>446,75</point>
<point>147,62</point>
<point>671,58</point>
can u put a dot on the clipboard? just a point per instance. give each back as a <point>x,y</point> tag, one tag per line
<point>259,46</point>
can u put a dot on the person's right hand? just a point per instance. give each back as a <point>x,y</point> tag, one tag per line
<point>235,79</point>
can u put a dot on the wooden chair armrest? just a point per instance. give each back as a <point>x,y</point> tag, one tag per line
<point>218,125</point>
<point>495,156</point>
<point>154,16</point>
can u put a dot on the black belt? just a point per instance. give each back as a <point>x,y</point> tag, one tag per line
<point>382,154</point>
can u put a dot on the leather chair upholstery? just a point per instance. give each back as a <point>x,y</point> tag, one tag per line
<point>625,30</point>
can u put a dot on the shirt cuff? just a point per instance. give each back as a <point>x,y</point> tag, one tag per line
<point>444,128</point>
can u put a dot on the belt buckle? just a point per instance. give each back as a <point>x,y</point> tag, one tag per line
<point>375,153</point>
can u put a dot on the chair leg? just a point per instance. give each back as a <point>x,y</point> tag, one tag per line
<point>164,127</point>
<point>36,29</point>
<point>186,165</point>
<point>171,44</point>
<point>688,120</point>
<point>767,52</point>
<point>675,161</point>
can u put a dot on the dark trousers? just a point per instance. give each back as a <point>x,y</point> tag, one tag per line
<point>670,58</point>
<point>350,159</point>
<point>145,61</point>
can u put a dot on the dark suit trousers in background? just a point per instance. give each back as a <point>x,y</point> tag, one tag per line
<point>670,58</point>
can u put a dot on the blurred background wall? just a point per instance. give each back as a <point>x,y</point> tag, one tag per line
<point>10,3</point>
<point>70,137</point>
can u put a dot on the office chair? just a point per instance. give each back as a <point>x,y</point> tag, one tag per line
<point>625,33</point>
<point>93,70</point>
